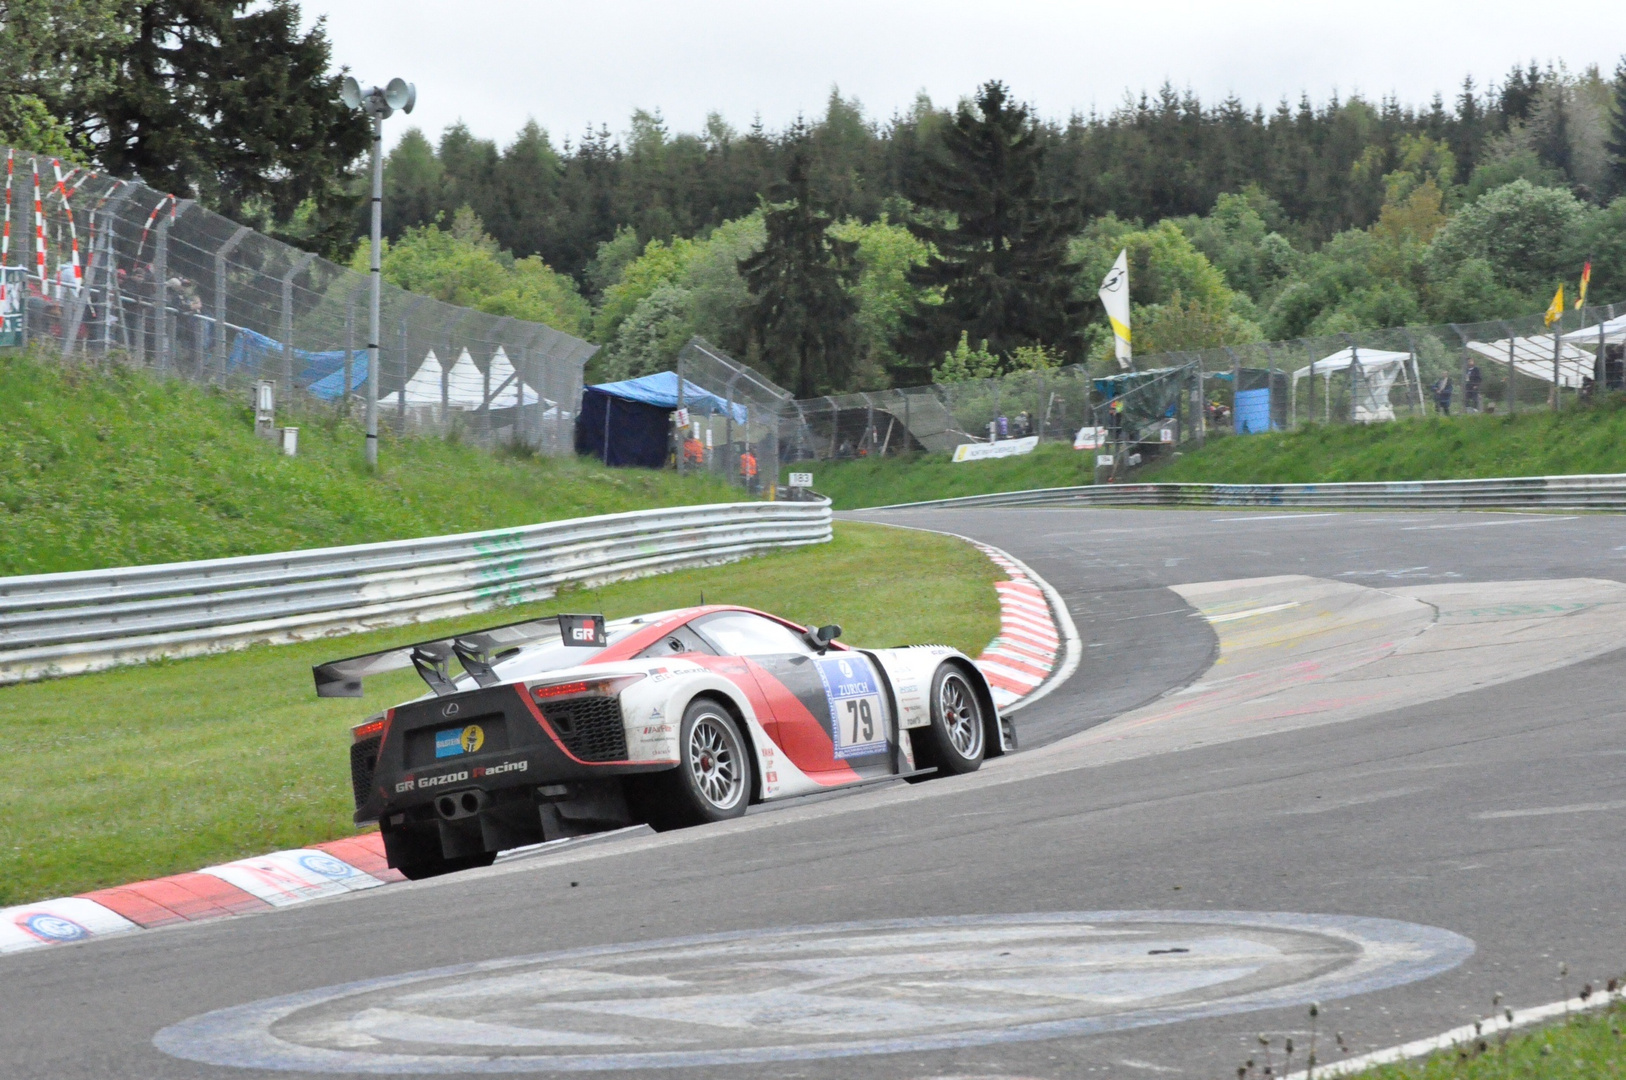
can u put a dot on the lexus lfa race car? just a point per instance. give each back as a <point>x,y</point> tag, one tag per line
<point>566,725</point>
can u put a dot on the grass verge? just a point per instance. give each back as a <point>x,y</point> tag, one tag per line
<point>159,768</point>
<point>1585,1047</point>
<point>1589,439</point>
<point>103,465</point>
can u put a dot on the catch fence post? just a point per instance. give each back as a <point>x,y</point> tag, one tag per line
<point>1512,370</point>
<point>288,320</point>
<point>350,302</point>
<point>160,290</point>
<point>400,397</point>
<point>222,338</point>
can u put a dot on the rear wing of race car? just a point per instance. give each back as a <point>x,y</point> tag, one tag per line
<point>477,651</point>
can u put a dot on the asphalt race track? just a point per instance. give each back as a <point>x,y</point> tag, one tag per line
<point>1373,760</point>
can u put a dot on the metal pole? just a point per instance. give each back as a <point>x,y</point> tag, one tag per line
<point>160,291</point>
<point>222,347</point>
<point>375,271</point>
<point>1512,397</point>
<point>1558,326</point>
<point>288,319</point>
<point>682,439</point>
<point>400,398</point>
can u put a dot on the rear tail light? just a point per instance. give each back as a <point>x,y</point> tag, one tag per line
<point>601,687</point>
<point>374,726</point>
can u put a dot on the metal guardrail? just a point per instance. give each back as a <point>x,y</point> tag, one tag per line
<point>63,624</point>
<point>1592,492</point>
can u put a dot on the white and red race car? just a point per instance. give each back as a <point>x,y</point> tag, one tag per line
<point>567,725</point>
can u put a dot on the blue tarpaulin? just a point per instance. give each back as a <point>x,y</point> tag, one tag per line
<point>264,355</point>
<point>661,390</point>
<point>1252,411</point>
<point>331,386</point>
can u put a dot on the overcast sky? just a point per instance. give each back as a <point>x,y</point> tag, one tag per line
<point>493,63</point>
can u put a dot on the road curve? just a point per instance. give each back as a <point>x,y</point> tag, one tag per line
<point>1373,760</point>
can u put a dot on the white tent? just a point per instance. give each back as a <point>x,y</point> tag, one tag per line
<point>516,392</point>
<point>465,385</point>
<point>1379,370</point>
<point>1611,333</point>
<point>424,386</point>
<point>1533,356</point>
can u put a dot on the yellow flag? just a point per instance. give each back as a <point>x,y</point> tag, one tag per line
<point>1555,310</point>
<point>1586,279</point>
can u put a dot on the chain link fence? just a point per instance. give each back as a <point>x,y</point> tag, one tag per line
<point>106,267</point>
<point>1177,399</point>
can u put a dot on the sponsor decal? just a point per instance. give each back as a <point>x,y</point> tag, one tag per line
<point>52,928</point>
<point>452,742</point>
<point>505,767</point>
<point>417,784</point>
<point>857,724</point>
<point>327,866</point>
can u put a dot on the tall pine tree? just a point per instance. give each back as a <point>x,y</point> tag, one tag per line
<point>1617,130</point>
<point>999,239</point>
<point>231,102</point>
<point>802,317</point>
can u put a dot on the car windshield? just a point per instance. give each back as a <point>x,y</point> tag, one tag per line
<point>554,655</point>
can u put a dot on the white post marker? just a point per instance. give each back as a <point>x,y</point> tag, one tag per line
<point>801,479</point>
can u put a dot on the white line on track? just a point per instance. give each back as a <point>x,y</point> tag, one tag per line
<point>1275,517</point>
<point>1544,811</point>
<point>1250,613</point>
<point>1523,519</point>
<point>1466,1035</point>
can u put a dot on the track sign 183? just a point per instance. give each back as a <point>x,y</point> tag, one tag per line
<point>584,631</point>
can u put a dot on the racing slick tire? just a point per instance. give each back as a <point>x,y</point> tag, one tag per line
<point>956,740</point>
<point>713,779</point>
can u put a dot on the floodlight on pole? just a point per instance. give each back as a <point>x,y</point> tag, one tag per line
<point>378,103</point>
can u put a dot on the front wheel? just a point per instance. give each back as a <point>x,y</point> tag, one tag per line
<point>956,740</point>
<point>713,779</point>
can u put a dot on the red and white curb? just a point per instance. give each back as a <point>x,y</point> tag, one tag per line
<point>1037,648</point>
<point>235,888</point>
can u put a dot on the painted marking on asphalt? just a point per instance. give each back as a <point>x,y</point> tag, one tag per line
<point>1275,517</point>
<point>1248,614</point>
<point>1524,519</point>
<point>1544,811</point>
<point>819,992</point>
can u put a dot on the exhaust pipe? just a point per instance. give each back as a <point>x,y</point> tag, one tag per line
<point>456,805</point>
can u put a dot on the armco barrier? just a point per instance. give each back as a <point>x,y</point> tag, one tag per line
<point>1599,492</point>
<point>62,624</point>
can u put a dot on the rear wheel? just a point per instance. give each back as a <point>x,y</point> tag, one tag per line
<point>435,866</point>
<point>956,740</point>
<point>713,779</point>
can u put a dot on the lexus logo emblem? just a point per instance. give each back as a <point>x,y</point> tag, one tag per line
<point>450,710</point>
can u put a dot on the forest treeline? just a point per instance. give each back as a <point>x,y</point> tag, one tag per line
<point>851,251</point>
<point>1242,223</point>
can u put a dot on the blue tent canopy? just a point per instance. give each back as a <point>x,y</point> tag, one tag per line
<point>661,390</point>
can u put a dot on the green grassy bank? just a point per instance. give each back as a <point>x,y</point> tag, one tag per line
<point>159,768</point>
<point>108,466</point>
<point>1585,1047</point>
<point>1589,439</point>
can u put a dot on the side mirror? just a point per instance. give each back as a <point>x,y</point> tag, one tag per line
<point>821,638</point>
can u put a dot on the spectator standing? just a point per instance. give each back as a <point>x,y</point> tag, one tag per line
<point>748,470</point>
<point>1443,391</point>
<point>1004,427</point>
<point>1472,381</point>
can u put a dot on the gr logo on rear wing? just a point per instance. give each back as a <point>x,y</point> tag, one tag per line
<point>477,651</point>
